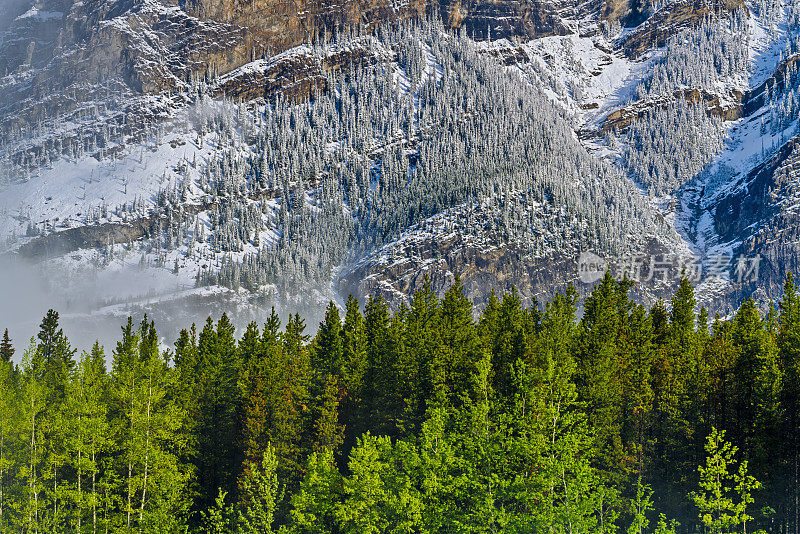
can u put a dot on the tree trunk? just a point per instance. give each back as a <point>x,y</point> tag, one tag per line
<point>2,478</point>
<point>94,492</point>
<point>130,455</point>
<point>796,485</point>
<point>33,513</point>
<point>128,520</point>
<point>80,495</point>
<point>146,448</point>
<point>55,494</point>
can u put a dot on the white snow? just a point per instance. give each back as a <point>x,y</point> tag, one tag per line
<point>35,13</point>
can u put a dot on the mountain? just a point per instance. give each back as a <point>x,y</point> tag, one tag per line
<point>163,155</point>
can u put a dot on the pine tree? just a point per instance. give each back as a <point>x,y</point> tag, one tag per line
<point>218,404</point>
<point>789,353</point>
<point>460,346</point>
<point>378,408</point>
<point>757,378</point>
<point>9,395</point>
<point>6,348</point>
<point>56,365</point>
<point>354,354</point>
<point>606,312</point>
<point>56,355</point>
<point>328,431</point>
<point>329,347</point>
<point>637,392</point>
<point>508,344</point>
<point>420,366</point>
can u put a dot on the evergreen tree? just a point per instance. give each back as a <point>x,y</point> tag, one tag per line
<point>789,353</point>
<point>218,404</point>
<point>606,312</point>
<point>328,431</point>
<point>460,346</point>
<point>56,355</point>
<point>757,378</point>
<point>354,350</point>
<point>6,348</point>
<point>329,346</point>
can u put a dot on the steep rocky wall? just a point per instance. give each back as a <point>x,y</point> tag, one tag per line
<point>298,74</point>
<point>762,214</point>
<point>671,19</point>
<point>620,119</point>
<point>397,273</point>
<point>276,25</point>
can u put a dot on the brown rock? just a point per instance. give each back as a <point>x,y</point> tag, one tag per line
<point>669,21</point>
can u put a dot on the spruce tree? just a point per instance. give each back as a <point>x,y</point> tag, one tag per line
<point>598,366</point>
<point>354,354</point>
<point>6,348</point>
<point>9,397</point>
<point>329,347</point>
<point>460,346</point>
<point>56,354</point>
<point>789,354</point>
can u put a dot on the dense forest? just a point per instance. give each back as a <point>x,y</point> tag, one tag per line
<point>292,189</point>
<point>614,419</point>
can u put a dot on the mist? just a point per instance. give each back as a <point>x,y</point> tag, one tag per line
<point>10,10</point>
<point>93,304</point>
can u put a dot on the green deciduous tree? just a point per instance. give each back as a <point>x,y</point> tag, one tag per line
<point>260,495</point>
<point>725,491</point>
<point>314,504</point>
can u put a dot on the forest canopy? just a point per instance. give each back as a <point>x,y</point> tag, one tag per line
<point>429,419</point>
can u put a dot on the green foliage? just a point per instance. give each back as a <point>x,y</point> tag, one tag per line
<point>640,505</point>
<point>314,504</point>
<point>218,518</point>
<point>725,492</point>
<point>423,420</point>
<point>6,348</point>
<point>260,495</point>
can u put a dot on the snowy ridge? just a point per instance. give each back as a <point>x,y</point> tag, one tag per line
<point>364,151</point>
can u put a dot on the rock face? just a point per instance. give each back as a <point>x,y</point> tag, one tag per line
<point>620,119</point>
<point>136,57</point>
<point>299,72</point>
<point>762,213</point>
<point>754,99</point>
<point>157,46</point>
<point>396,272</point>
<point>671,19</point>
<point>527,18</point>
<point>86,49</point>
<point>275,25</point>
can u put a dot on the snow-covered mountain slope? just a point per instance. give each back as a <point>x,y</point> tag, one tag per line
<point>182,166</point>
